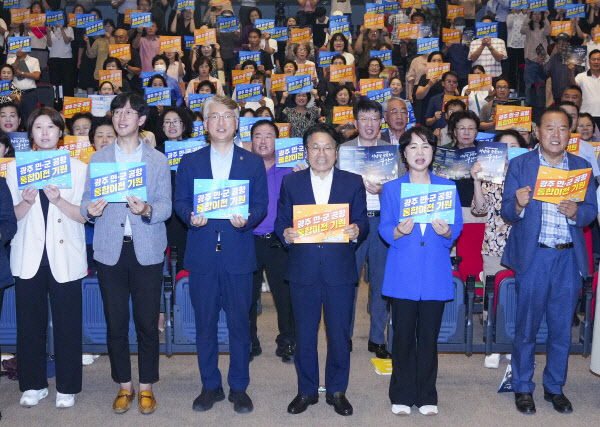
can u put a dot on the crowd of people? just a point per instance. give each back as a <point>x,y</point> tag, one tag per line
<point>59,236</point>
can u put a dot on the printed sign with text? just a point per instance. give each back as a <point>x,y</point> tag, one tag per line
<point>321,223</point>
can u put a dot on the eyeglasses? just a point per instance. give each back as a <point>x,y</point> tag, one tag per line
<point>227,116</point>
<point>125,113</point>
<point>369,119</point>
<point>327,150</point>
<point>396,112</point>
<point>175,122</point>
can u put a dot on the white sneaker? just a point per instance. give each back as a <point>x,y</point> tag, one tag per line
<point>64,400</point>
<point>401,409</point>
<point>33,397</point>
<point>428,410</point>
<point>492,361</point>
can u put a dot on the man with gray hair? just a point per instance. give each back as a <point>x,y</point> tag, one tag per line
<point>395,112</point>
<point>220,254</point>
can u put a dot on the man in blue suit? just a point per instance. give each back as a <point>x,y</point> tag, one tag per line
<point>220,254</point>
<point>546,249</point>
<point>322,274</point>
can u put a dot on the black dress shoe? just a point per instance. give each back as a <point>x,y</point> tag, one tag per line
<point>256,351</point>
<point>350,346</point>
<point>379,350</point>
<point>300,403</point>
<point>286,352</point>
<point>242,404</point>
<point>560,402</point>
<point>207,399</point>
<point>524,403</point>
<point>339,402</point>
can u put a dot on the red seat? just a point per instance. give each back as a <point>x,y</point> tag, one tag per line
<point>468,247</point>
<point>500,276</point>
<point>587,233</point>
<point>181,275</point>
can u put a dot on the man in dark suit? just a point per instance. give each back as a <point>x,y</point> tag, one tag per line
<point>220,254</point>
<point>322,275</point>
<point>546,249</point>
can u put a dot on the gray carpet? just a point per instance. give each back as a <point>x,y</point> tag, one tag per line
<point>467,392</point>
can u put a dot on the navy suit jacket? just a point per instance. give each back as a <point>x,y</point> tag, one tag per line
<point>237,243</point>
<point>524,235</point>
<point>312,262</point>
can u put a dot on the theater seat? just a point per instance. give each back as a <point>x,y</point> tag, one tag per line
<point>8,321</point>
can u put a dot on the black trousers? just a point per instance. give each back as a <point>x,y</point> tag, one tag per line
<point>272,257</point>
<point>62,74</point>
<point>1,301</point>
<point>414,351</point>
<point>143,283</point>
<point>32,323</point>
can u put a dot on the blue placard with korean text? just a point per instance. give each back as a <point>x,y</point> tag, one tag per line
<point>428,45</point>
<point>221,198</point>
<point>175,150</point>
<point>19,141</point>
<point>338,18</point>
<point>41,168</point>
<point>264,24</point>
<point>5,87</point>
<point>424,202</point>
<point>392,6</point>
<point>227,24</point>
<point>298,84</point>
<point>198,130</point>
<point>185,4</point>
<point>141,20</point>
<point>248,92</point>
<point>574,11</point>
<point>16,43</point>
<point>113,182</point>
<point>81,19</point>
<point>384,55</point>
<point>376,8</point>
<point>157,96</point>
<point>485,137</point>
<point>188,42</point>
<point>12,4</point>
<point>562,4</point>
<point>340,27</point>
<point>249,56</point>
<point>95,28</point>
<point>380,95</point>
<point>428,4</point>
<point>289,152</point>
<point>196,100</point>
<point>54,18</point>
<point>279,33</point>
<point>538,5</point>
<point>518,4</point>
<point>326,57</point>
<point>486,29</point>
<point>245,125</point>
<point>147,75</point>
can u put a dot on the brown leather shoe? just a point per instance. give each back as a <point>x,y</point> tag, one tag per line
<point>123,401</point>
<point>146,402</point>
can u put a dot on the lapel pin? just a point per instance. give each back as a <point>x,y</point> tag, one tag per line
<point>241,157</point>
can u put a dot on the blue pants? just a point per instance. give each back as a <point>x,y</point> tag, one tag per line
<point>551,284</point>
<point>307,300</point>
<point>209,293</point>
<point>375,250</point>
<point>534,74</point>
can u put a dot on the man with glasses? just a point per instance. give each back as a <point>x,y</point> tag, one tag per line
<point>132,68</point>
<point>434,117</point>
<point>322,275</point>
<point>129,245</point>
<point>220,254</point>
<point>487,115</point>
<point>395,112</point>
<point>489,52</point>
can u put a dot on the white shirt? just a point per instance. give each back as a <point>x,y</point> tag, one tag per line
<point>372,199</point>
<point>59,48</point>
<point>3,25</point>
<point>123,157</point>
<point>590,87</point>
<point>586,151</point>
<point>220,165</point>
<point>173,71</point>
<point>321,187</point>
<point>33,65</point>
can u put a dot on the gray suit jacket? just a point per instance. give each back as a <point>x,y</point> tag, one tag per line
<point>149,235</point>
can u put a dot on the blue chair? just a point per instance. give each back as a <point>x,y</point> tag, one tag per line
<point>8,321</point>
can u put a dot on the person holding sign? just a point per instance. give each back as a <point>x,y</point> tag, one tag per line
<point>363,48</point>
<point>300,117</point>
<point>487,115</point>
<point>27,72</point>
<point>536,28</point>
<point>418,276</point>
<point>129,244</point>
<point>547,251</point>
<point>220,253</point>
<point>60,60</point>
<point>331,276</point>
<point>99,49</point>
<point>585,150</point>
<point>48,259</point>
<point>488,52</point>
<point>434,116</point>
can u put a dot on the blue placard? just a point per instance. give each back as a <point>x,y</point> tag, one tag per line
<point>113,182</point>
<point>19,141</point>
<point>141,19</point>
<point>147,75</point>
<point>561,4</point>
<point>279,33</point>
<point>221,198</point>
<point>16,43</point>
<point>486,29</point>
<point>412,119</point>
<point>424,202</point>
<point>175,150</point>
<point>188,42</point>
<point>289,152</point>
<point>384,55</point>
<point>246,55</point>
<point>5,87</point>
<point>298,84</point>
<point>326,57</point>
<point>245,126</point>
<point>198,130</point>
<point>516,152</point>
<point>83,18</point>
<point>157,96</point>
<point>41,168</point>
<point>12,4</point>
<point>575,11</point>
<point>94,28</point>
<point>54,18</point>
<point>264,24</point>
<point>425,31</point>
<point>428,45</point>
<point>185,4</point>
<point>380,95</point>
<point>393,7</point>
<point>538,5</point>
<point>248,92</point>
<point>485,137</point>
<point>227,24</point>
<point>340,27</point>
<point>518,4</point>
<point>428,4</point>
<point>338,18</point>
<point>378,9</point>
<point>196,100</point>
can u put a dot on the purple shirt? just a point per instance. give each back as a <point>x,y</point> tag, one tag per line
<point>274,177</point>
<point>148,50</point>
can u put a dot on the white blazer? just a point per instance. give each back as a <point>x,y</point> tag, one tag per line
<point>64,238</point>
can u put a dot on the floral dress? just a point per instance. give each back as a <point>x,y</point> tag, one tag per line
<point>496,230</point>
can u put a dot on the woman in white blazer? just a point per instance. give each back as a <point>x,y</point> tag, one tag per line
<point>48,258</point>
